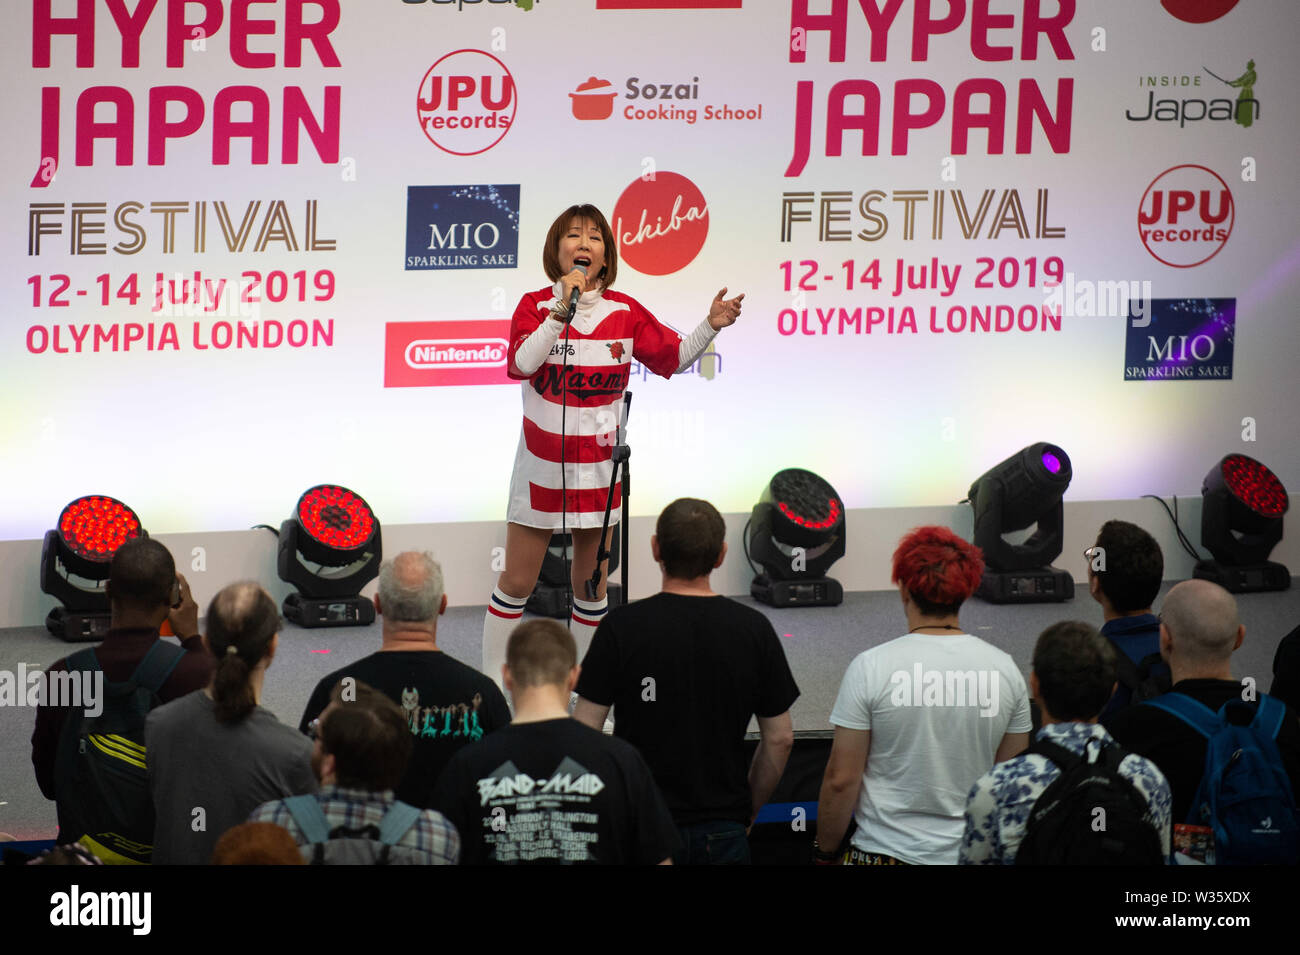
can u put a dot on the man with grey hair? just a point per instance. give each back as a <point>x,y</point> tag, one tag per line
<point>1199,630</point>
<point>447,704</point>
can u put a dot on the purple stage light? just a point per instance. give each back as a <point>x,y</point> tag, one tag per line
<point>1051,462</point>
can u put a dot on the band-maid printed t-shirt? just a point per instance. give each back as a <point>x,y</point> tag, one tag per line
<point>447,705</point>
<point>555,792</point>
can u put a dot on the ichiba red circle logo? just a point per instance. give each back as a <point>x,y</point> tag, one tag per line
<point>660,221</point>
<point>1186,216</point>
<point>466,102</point>
<point>1198,11</point>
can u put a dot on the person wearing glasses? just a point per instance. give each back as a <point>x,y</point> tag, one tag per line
<point>1125,568</point>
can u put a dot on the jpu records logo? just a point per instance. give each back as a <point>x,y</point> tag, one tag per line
<point>1186,216</point>
<point>466,102</point>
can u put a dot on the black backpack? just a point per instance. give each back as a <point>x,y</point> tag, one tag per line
<point>1145,680</point>
<point>1063,826</point>
<point>101,779</point>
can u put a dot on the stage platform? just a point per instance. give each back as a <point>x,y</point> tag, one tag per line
<point>819,643</point>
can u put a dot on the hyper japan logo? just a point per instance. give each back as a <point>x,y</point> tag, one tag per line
<point>660,222</point>
<point>1198,11</point>
<point>466,102</point>
<point>1186,216</point>
<point>423,354</point>
<point>654,102</point>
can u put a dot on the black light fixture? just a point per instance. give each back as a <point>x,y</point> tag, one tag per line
<point>795,533</point>
<point>550,598</point>
<point>75,558</point>
<point>1026,489</point>
<point>336,530</point>
<point>1241,522</point>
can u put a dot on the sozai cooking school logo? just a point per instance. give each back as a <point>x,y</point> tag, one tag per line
<point>466,102</point>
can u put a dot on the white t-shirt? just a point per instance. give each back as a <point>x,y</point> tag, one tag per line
<point>938,706</point>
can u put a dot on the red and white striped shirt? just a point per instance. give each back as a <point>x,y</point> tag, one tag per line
<point>608,331</point>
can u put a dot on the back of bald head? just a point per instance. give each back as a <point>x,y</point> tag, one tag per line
<point>1202,620</point>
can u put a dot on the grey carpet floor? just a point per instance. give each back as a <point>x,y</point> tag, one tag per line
<point>819,643</point>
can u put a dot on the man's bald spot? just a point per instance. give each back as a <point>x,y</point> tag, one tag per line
<point>412,569</point>
<point>1202,618</point>
<point>240,607</point>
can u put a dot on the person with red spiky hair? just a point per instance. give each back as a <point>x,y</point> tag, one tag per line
<point>575,363</point>
<point>919,718</point>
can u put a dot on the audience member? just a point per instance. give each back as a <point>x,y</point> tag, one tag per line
<point>143,590</point>
<point>216,755</point>
<point>362,747</point>
<point>920,718</point>
<point>1199,631</point>
<point>1125,568</point>
<point>685,670</point>
<point>447,705</point>
<point>1073,677</point>
<point>547,789</point>
<point>1286,670</point>
<point>257,843</point>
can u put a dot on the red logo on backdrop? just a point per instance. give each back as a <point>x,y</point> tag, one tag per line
<point>466,102</point>
<point>425,354</point>
<point>667,4</point>
<point>593,99</point>
<point>660,223</point>
<point>1198,11</point>
<point>1186,216</point>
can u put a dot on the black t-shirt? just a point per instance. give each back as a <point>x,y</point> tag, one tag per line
<point>684,675</point>
<point>1179,751</point>
<point>555,792</point>
<point>1286,670</point>
<point>447,704</point>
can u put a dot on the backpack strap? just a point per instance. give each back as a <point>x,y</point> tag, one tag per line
<point>1055,753</point>
<point>397,822</point>
<point>1269,716</point>
<point>309,816</point>
<point>1192,712</point>
<point>1126,671</point>
<point>82,660</point>
<point>157,665</point>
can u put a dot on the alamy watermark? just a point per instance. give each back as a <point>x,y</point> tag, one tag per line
<point>922,687</point>
<point>34,686</point>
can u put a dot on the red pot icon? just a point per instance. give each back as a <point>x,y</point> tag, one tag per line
<point>593,99</point>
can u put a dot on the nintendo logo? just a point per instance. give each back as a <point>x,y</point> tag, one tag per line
<point>456,353</point>
<point>433,354</point>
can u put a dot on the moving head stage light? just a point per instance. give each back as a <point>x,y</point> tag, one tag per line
<point>335,529</point>
<point>1241,522</point>
<point>75,560</point>
<point>1025,489</point>
<point>796,532</point>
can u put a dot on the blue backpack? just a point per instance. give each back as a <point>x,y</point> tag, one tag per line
<point>1245,795</point>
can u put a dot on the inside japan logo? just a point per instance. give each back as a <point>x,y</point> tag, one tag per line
<point>466,102</point>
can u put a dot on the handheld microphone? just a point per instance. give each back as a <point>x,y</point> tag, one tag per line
<point>573,299</point>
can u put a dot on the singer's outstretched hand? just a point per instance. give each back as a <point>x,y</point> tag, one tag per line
<point>724,312</point>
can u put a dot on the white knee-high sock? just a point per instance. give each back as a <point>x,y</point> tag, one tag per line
<point>503,614</point>
<point>587,615</point>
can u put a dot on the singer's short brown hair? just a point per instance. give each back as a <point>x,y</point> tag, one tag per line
<point>551,251</point>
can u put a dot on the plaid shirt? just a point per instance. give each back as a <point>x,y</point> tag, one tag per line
<point>432,839</point>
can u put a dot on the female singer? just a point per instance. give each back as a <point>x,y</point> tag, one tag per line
<point>576,390</point>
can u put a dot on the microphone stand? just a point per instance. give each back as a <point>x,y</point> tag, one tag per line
<point>620,455</point>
